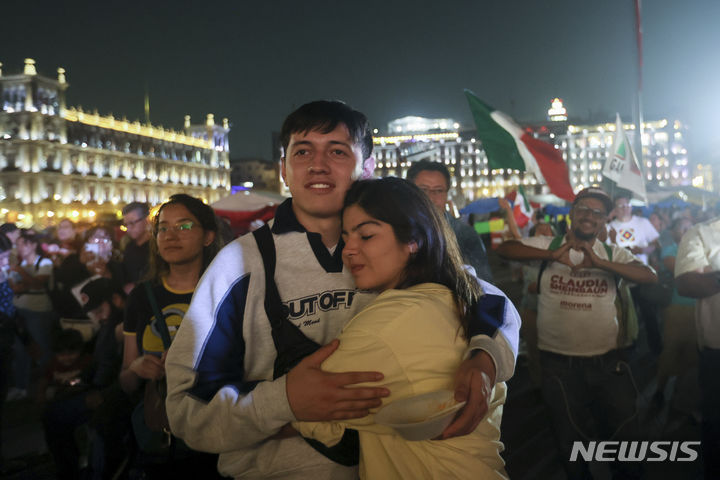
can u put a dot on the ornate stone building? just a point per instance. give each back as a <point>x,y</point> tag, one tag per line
<point>58,161</point>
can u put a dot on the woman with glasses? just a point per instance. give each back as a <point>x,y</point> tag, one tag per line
<point>184,242</point>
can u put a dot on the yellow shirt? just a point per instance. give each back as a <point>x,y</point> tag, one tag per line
<point>413,337</point>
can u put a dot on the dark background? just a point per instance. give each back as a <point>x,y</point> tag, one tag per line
<point>254,61</point>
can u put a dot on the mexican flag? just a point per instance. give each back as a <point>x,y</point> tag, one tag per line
<point>522,211</point>
<point>508,146</point>
<point>622,166</point>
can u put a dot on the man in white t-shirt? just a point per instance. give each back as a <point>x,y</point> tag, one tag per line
<point>635,233</point>
<point>639,236</point>
<point>697,275</point>
<point>586,378</point>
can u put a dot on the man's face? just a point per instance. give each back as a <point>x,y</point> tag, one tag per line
<point>319,168</point>
<point>434,185</point>
<point>136,224</point>
<point>587,217</point>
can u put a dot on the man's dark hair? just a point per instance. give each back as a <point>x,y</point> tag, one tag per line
<point>324,116</point>
<point>622,193</point>
<point>142,207</point>
<point>427,165</point>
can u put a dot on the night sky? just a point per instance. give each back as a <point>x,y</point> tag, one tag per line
<point>254,61</point>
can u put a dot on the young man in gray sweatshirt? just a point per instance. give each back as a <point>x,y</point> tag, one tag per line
<point>221,393</point>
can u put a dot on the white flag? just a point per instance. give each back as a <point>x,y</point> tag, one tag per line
<point>621,165</point>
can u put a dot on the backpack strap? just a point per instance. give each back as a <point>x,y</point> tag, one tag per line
<point>554,245</point>
<point>273,304</point>
<point>292,345</point>
<point>159,316</point>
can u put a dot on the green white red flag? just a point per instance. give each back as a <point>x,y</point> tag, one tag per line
<point>522,211</point>
<point>509,146</point>
<point>621,165</point>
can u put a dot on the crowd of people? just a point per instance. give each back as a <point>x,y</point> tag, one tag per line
<point>77,329</point>
<point>158,351</point>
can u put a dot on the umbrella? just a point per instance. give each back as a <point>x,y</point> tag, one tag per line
<point>243,208</point>
<point>480,206</point>
<point>245,201</point>
<point>555,210</point>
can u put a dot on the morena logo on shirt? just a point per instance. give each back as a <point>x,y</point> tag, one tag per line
<point>322,302</point>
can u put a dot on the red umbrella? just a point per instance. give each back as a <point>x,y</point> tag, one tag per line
<point>246,207</point>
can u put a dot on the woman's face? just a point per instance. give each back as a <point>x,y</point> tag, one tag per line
<point>66,231</point>
<point>26,248</point>
<point>99,236</point>
<point>372,253</point>
<point>100,244</point>
<point>180,237</point>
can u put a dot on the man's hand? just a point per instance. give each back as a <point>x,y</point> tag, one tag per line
<point>474,382</point>
<point>613,235</point>
<point>315,395</point>
<point>590,258</point>
<point>562,254</point>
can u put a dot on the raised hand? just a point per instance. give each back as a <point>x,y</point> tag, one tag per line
<point>562,254</point>
<point>590,258</point>
<point>316,395</point>
<point>613,235</point>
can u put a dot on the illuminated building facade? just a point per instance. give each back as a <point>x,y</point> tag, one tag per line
<point>57,161</point>
<point>461,152</point>
<point>584,148</point>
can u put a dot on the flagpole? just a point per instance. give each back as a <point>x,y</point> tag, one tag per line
<point>147,104</point>
<point>639,117</point>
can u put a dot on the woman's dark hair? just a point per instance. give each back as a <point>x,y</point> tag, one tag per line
<point>5,243</point>
<point>30,235</point>
<point>92,231</point>
<point>8,228</point>
<point>414,218</point>
<point>204,214</point>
